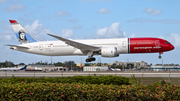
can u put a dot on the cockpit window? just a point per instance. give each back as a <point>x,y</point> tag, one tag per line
<point>167,42</point>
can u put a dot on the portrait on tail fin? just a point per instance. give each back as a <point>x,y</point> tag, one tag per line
<point>22,37</point>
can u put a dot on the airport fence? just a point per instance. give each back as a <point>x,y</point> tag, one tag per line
<point>144,77</point>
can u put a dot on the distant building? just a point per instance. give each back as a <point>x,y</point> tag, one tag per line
<point>167,64</point>
<point>108,64</point>
<point>80,64</point>
<point>165,67</point>
<point>95,68</point>
<point>137,64</point>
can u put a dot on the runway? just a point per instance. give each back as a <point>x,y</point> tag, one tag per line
<point>66,74</point>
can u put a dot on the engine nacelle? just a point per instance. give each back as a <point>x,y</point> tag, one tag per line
<point>109,52</point>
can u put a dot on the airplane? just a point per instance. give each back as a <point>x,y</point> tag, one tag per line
<point>35,69</point>
<point>89,47</point>
<point>13,69</point>
<point>115,69</point>
<point>110,69</point>
<point>38,69</point>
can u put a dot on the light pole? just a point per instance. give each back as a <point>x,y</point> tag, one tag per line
<point>71,65</point>
<point>51,60</point>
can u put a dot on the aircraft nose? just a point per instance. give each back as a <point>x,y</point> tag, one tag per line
<point>172,47</point>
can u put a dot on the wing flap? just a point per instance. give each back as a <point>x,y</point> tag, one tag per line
<point>78,45</point>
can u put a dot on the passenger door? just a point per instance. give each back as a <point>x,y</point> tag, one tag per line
<point>124,44</point>
<point>41,47</point>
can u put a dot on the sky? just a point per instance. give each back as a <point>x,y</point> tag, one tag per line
<point>91,19</point>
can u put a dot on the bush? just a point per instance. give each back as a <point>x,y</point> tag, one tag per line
<point>92,92</point>
<point>107,80</point>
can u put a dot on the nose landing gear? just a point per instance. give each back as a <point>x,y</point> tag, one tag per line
<point>160,55</point>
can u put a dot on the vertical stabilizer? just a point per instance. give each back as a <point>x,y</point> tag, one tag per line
<point>23,67</point>
<point>109,68</point>
<point>22,34</point>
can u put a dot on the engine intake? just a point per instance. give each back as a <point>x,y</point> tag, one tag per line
<point>109,52</point>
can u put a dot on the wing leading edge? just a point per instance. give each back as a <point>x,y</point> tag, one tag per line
<point>78,45</point>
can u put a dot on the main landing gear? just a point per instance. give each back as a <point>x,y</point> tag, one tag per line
<point>160,55</point>
<point>90,59</point>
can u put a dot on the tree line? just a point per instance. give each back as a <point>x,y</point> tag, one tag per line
<point>64,64</point>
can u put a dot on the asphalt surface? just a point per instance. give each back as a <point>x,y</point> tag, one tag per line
<point>65,74</point>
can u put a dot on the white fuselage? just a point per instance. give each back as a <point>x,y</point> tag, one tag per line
<point>60,48</point>
<point>10,69</point>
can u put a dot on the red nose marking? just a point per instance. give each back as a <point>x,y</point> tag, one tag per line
<point>172,47</point>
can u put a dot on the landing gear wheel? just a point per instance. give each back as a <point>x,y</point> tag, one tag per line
<point>92,59</point>
<point>160,53</point>
<point>160,57</point>
<point>88,60</point>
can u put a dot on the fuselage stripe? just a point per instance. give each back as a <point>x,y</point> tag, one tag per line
<point>128,46</point>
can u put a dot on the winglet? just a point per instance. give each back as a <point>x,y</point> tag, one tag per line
<point>13,21</point>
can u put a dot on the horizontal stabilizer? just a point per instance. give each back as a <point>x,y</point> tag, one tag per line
<point>19,46</point>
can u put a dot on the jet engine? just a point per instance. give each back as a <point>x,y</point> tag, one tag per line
<point>109,52</point>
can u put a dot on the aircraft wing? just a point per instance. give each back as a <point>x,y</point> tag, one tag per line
<point>19,46</point>
<point>78,45</point>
